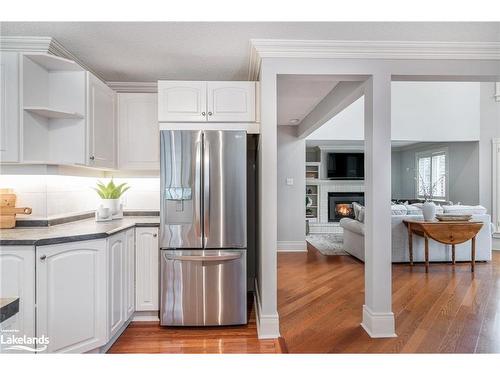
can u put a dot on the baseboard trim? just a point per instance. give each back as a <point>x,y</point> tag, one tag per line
<point>268,326</point>
<point>496,241</point>
<point>146,316</point>
<point>292,246</point>
<point>378,325</point>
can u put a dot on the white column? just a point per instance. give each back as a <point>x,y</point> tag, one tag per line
<point>378,319</point>
<point>267,286</point>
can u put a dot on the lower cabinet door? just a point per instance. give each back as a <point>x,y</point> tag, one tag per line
<point>17,280</point>
<point>116,283</point>
<point>147,254</point>
<point>71,295</point>
<point>129,273</point>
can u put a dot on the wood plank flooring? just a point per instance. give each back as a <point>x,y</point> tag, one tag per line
<point>448,310</point>
<point>150,337</point>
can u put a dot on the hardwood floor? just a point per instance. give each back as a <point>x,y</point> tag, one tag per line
<point>448,310</point>
<point>150,337</point>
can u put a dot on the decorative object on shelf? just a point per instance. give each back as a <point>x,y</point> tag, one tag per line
<point>8,210</point>
<point>453,217</point>
<point>309,191</point>
<point>309,202</point>
<point>110,200</point>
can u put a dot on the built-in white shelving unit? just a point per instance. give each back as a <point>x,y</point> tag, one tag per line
<point>53,99</point>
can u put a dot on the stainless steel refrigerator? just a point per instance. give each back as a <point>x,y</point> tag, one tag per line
<point>203,225</point>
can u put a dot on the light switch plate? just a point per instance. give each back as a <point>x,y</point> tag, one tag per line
<point>289,181</point>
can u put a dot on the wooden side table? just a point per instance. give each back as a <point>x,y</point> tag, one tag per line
<point>446,232</point>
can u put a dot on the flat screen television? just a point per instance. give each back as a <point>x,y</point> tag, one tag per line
<point>346,166</point>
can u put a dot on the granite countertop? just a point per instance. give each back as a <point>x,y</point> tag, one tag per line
<point>8,308</point>
<point>80,230</point>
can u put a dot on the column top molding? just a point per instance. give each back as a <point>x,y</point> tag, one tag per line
<point>335,49</point>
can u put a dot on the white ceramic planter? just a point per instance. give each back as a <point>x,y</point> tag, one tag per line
<point>112,204</point>
<point>429,211</point>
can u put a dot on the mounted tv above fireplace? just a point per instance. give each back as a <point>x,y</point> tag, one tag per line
<point>346,166</point>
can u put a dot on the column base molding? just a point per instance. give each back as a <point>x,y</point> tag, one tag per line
<point>378,325</point>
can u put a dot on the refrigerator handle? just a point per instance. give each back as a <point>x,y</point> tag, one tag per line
<point>197,192</point>
<point>206,190</point>
<point>203,258</point>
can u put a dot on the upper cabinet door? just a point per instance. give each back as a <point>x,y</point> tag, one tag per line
<point>182,101</point>
<point>101,124</point>
<point>138,132</point>
<point>9,106</point>
<point>231,101</point>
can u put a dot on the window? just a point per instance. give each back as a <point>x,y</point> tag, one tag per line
<point>432,171</point>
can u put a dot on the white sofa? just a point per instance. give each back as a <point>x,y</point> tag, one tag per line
<point>354,241</point>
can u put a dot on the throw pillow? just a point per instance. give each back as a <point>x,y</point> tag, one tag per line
<point>356,207</point>
<point>398,209</point>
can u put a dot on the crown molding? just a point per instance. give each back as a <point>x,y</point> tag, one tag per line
<point>138,87</point>
<point>44,44</point>
<point>334,49</point>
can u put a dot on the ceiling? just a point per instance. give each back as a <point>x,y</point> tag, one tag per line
<point>299,94</point>
<point>148,51</point>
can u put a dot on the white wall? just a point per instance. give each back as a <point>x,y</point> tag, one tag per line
<point>463,171</point>
<point>421,111</point>
<point>53,196</point>
<point>291,198</point>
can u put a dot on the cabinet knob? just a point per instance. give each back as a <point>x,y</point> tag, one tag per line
<point>210,113</point>
<point>43,257</point>
<point>92,157</point>
<point>203,113</point>
<point>155,235</point>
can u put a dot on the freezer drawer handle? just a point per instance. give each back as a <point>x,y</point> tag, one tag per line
<point>203,258</point>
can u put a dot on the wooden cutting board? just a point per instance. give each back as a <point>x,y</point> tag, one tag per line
<point>8,209</point>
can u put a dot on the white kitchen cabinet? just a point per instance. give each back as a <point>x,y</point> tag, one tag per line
<point>182,101</point>
<point>231,101</point>
<point>116,282</point>
<point>138,133</point>
<point>9,106</point>
<point>191,101</point>
<point>101,124</point>
<point>121,280</point>
<point>17,279</point>
<point>129,273</point>
<point>147,256</point>
<point>71,295</point>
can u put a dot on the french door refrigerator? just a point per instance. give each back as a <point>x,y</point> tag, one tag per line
<point>203,223</point>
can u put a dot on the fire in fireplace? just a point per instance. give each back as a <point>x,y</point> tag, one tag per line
<point>340,205</point>
<point>344,210</point>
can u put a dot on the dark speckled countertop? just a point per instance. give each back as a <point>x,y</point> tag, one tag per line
<point>79,230</point>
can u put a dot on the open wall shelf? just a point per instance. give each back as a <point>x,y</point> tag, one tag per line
<point>52,113</point>
<point>53,98</point>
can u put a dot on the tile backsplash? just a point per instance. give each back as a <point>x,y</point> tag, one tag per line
<point>53,196</point>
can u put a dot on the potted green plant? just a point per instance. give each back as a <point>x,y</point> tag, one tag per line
<point>110,195</point>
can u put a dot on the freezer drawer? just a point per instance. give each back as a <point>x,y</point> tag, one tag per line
<point>203,287</point>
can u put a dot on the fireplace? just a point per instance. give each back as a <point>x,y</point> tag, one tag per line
<point>340,205</point>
